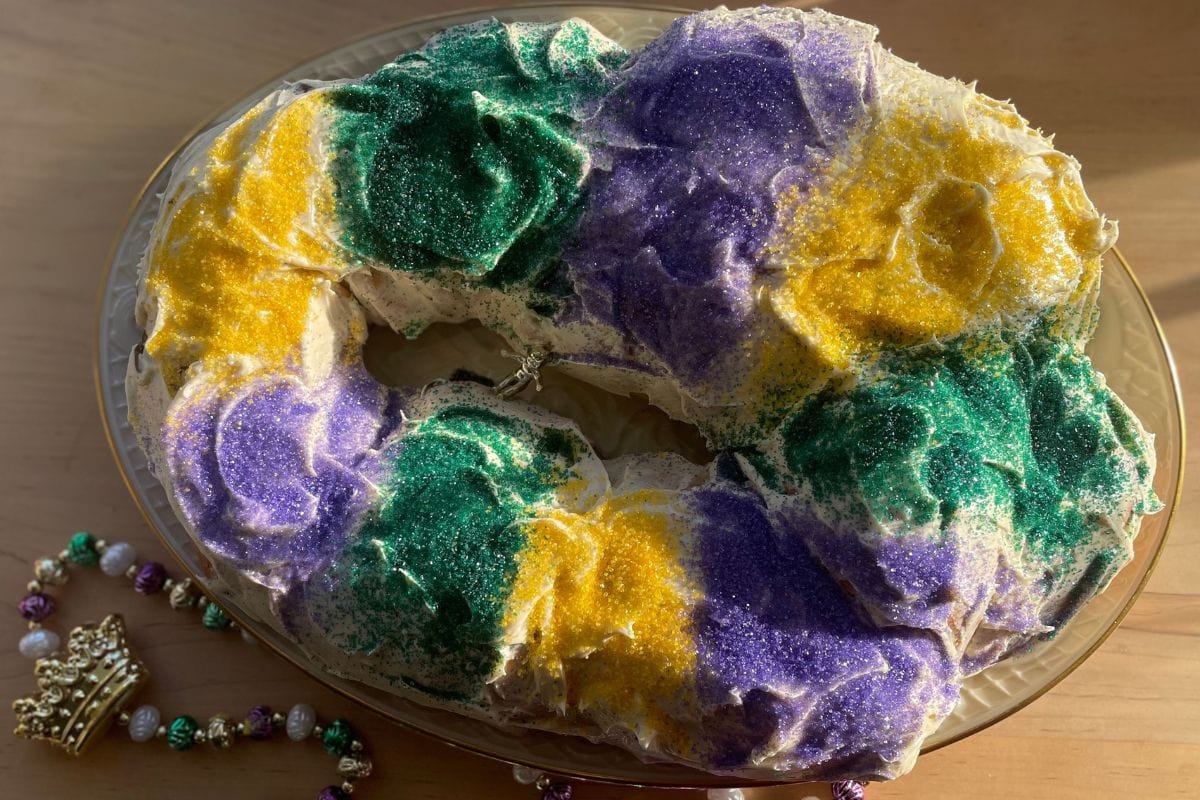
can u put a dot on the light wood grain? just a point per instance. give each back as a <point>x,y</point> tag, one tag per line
<point>94,94</point>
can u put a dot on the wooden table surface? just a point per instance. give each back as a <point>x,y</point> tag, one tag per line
<point>95,93</point>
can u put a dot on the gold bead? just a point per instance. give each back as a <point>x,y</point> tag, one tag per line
<point>347,787</point>
<point>123,719</point>
<point>220,732</point>
<point>52,571</point>
<point>356,746</point>
<point>33,586</point>
<point>183,595</point>
<point>278,719</point>
<point>318,731</point>
<point>133,571</point>
<point>160,732</point>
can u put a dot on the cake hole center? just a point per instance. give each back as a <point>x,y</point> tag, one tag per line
<point>615,425</point>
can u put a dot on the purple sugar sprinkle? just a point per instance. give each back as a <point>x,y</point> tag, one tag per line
<point>912,580</point>
<point>774,620</point>
<point>37,607</point>
<point>259,723</point>
<point>712,120</point>
<point>271,482</point>
<point>150,578</point>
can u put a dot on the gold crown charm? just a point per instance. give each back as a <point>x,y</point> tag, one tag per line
<point>81,694</point>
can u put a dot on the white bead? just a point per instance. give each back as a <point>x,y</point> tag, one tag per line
<point>117,558</point>
<point>300,721</point>
<point>725,794</point>
<point>39,643</point>
<point>143,723</point>
<point>525,775</point>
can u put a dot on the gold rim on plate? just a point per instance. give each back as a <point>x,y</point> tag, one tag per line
<point>296,658</point>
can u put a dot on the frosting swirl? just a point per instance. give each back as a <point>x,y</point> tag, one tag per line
<point>705,125</point>
<point>461,155</point>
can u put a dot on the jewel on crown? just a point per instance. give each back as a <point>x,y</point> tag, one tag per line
<point>83,691</point>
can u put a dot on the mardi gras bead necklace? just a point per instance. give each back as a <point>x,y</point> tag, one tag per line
<point>90,683</point>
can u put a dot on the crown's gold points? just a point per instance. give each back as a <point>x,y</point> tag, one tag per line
<point>83,691</point>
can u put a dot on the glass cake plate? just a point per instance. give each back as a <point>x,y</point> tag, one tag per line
<point>1129,348</point>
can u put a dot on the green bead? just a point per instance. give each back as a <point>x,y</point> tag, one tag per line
<point>337,737</point>
<point>181,733</point>
<point>215,618</point>
<point>82,549</point>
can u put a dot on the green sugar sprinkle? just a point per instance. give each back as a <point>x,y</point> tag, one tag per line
<point>427,577</point>
<point>1021,424</point>
<point>462,155</point>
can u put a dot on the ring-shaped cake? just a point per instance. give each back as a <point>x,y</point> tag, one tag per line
<point>868,287</point>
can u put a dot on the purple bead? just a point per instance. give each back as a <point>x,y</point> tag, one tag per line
<point>150,578</point>
<point>847,790</point>
<point>332,793</point>
<point>259,723</point>
<point>557,791</point>
<point>36,607</point>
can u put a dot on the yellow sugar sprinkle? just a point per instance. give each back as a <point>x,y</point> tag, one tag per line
<point>937,226</point>
<point>607,608</point>
<point>239,258</point>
